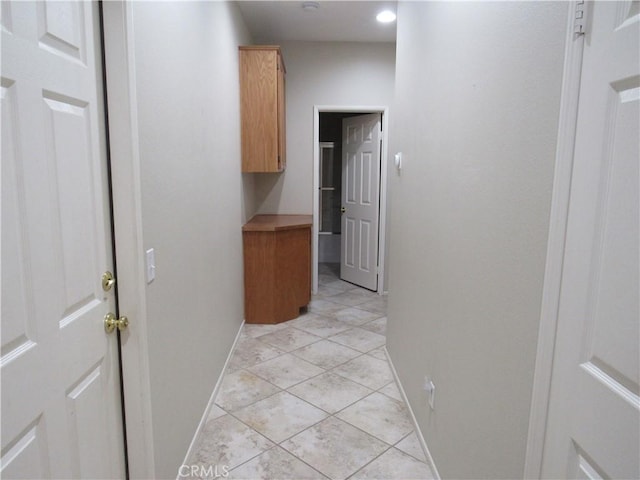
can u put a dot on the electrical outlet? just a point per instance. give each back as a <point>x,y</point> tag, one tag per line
<point>430,388</point>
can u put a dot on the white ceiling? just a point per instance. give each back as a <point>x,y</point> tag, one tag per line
<point>335,21</point>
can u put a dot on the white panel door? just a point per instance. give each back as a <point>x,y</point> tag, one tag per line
<point>361,138</point>
<point>593,424</point>
<point>61,405</point>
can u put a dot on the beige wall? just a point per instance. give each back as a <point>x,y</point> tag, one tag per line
<point>477,102</point>
<point>193,206</point>
<point>329,73</point>
<point>322,73</point>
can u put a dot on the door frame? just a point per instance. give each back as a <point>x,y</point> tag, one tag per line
<point>382,225</point>
<point>568,119</point>
<point>123,138</point>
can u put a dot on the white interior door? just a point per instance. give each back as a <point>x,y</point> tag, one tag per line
<point>361,137</point>
<point>61,414</point>
<point>593,423</point>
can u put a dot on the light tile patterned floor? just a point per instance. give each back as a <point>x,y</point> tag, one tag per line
<point>314,398</point>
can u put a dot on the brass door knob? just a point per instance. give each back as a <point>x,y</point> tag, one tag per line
<point>111,322</point>
<point>108,281</point>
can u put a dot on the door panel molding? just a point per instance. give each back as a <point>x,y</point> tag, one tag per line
<point>61,401</point>
<point>361,152</point>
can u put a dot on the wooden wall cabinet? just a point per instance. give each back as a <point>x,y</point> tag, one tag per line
<point>262,109</point>
<point>277,267</point>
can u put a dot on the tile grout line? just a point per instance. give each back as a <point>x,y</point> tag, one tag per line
<point>329,415</point>
<point>407,453</point>
<point>343,421</point>
<point>360,354</point>
<point>276,445</point>
<point>325,371</point>
<point>369,463</point>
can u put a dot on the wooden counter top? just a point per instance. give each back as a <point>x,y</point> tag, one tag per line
<point>273,223</point>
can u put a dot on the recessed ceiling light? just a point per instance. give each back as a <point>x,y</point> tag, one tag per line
<point>386,16</point>
<point>310,6</point>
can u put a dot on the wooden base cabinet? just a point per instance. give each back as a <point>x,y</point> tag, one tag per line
<point>277,267</point>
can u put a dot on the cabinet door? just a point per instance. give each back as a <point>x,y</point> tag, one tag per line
<point>261,100</point>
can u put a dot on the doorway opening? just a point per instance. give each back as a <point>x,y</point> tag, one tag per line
<point>331,205</point>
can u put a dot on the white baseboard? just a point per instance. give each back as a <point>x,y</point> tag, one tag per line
<point>212,399</point>
<point>416,427</point>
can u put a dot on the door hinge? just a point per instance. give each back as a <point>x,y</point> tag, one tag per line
<point>579,18</point>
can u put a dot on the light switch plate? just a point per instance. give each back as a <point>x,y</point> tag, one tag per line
<point>397,160</point>
<point>151,265</point>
